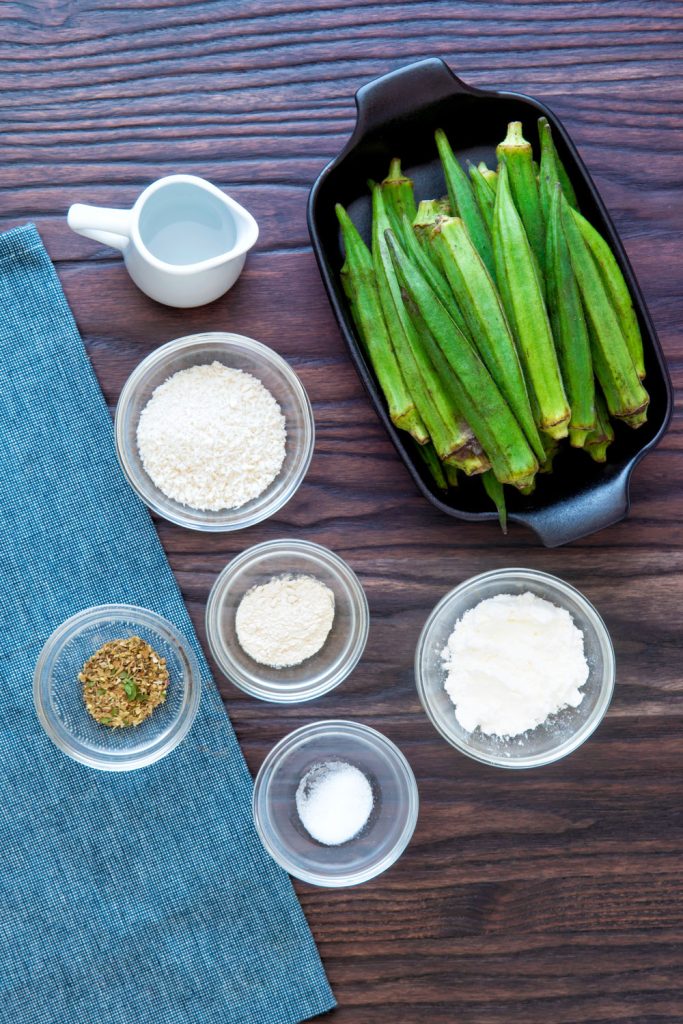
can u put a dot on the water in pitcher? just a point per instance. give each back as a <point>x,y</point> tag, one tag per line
<point>182,224</point>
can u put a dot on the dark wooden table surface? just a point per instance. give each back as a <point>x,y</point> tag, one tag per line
<point>552,895</point>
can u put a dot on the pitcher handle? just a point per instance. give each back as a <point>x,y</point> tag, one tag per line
<point>111,227</point>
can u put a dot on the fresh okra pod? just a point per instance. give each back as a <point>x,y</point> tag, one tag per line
<point>523,302</point>
<point>569,328</point>
<point>626,397</point>
<point>515,152</point>
<point>479,398</point>
<point>551,165</point>
<point>480,303</point>
<point>360,286</point>
<point>463,202</point>
<point>421,378</point>
<point>483,193</point>
<point>617,290</point>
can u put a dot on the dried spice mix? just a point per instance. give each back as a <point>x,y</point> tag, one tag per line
<point>123,682</point>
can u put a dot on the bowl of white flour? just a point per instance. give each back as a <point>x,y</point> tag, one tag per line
<point>287,620</point>
<point>515,668</point>
<point>214,431</point>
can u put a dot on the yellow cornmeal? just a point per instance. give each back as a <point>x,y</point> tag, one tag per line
<point>123,682</point>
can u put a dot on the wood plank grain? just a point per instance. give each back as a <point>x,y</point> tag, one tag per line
<point>550,895</point>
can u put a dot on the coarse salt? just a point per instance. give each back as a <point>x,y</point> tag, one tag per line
<point>212,437</point>
<point>334,802</point>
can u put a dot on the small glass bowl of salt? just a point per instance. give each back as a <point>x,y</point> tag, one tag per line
<point>335,803</point>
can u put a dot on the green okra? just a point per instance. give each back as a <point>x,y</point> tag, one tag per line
<point>427,455</point>
<point>483,193</point>
<point>360,285</point>
<point>463,202</point>
<point>416,244</point>
<point>427,213</point>
<point>422,380</point>
<point>496,493</point>
<point>569,328</point>
<point>515,152</point>
<point>551,165</point>
<point>617,289</point>
<point>523,303</point>
<point>599,439</point>
<point>470,457</point>
<point>626,397</point>
<point>478,397</point>
<point>488,174</point>
<point>480,303</point>
<point>399,197</point>
<point>451,472</point>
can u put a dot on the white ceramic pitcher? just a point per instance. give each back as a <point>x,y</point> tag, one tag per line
<point>184,242</point>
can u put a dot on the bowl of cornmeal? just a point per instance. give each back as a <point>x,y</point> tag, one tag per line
<point>515,668</point>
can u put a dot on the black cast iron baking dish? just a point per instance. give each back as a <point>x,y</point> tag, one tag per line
<point>397,116</point>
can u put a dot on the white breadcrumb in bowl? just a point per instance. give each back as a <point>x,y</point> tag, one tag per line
<point>212,437</point>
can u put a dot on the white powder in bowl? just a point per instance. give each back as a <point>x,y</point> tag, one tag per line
<point>334,801</point>
<point>285,621</point>
<point>212,437</point>
<point>513,660</point>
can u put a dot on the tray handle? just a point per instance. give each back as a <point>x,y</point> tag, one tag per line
<point>404,91</point>
<point>592,510</point>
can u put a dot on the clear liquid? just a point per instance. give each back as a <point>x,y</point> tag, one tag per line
<point>181,224</point>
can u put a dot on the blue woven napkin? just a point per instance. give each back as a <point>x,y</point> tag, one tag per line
<point>125,898</point>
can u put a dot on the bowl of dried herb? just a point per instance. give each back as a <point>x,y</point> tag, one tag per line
<point>116,687</point>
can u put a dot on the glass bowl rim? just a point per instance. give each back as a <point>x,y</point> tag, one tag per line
<point>152,496</point>
<point>156,750</point>
<point>269,767</point>
<point>554,585</point>
<point>219,651</point>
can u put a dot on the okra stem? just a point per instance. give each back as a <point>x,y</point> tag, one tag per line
<point>399,197</point>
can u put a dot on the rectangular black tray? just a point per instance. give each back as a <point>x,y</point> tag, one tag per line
<point>397,116</point>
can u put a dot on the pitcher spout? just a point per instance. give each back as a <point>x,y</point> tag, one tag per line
<point>246,230</point>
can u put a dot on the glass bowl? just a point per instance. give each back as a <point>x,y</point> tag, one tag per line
<point>338,656</point>
<point>390,825</point>
<point>60,706</point>
<point>561,733</point>
<point>241,353</point>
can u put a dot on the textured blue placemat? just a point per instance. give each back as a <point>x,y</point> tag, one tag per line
<point>131,898</point>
